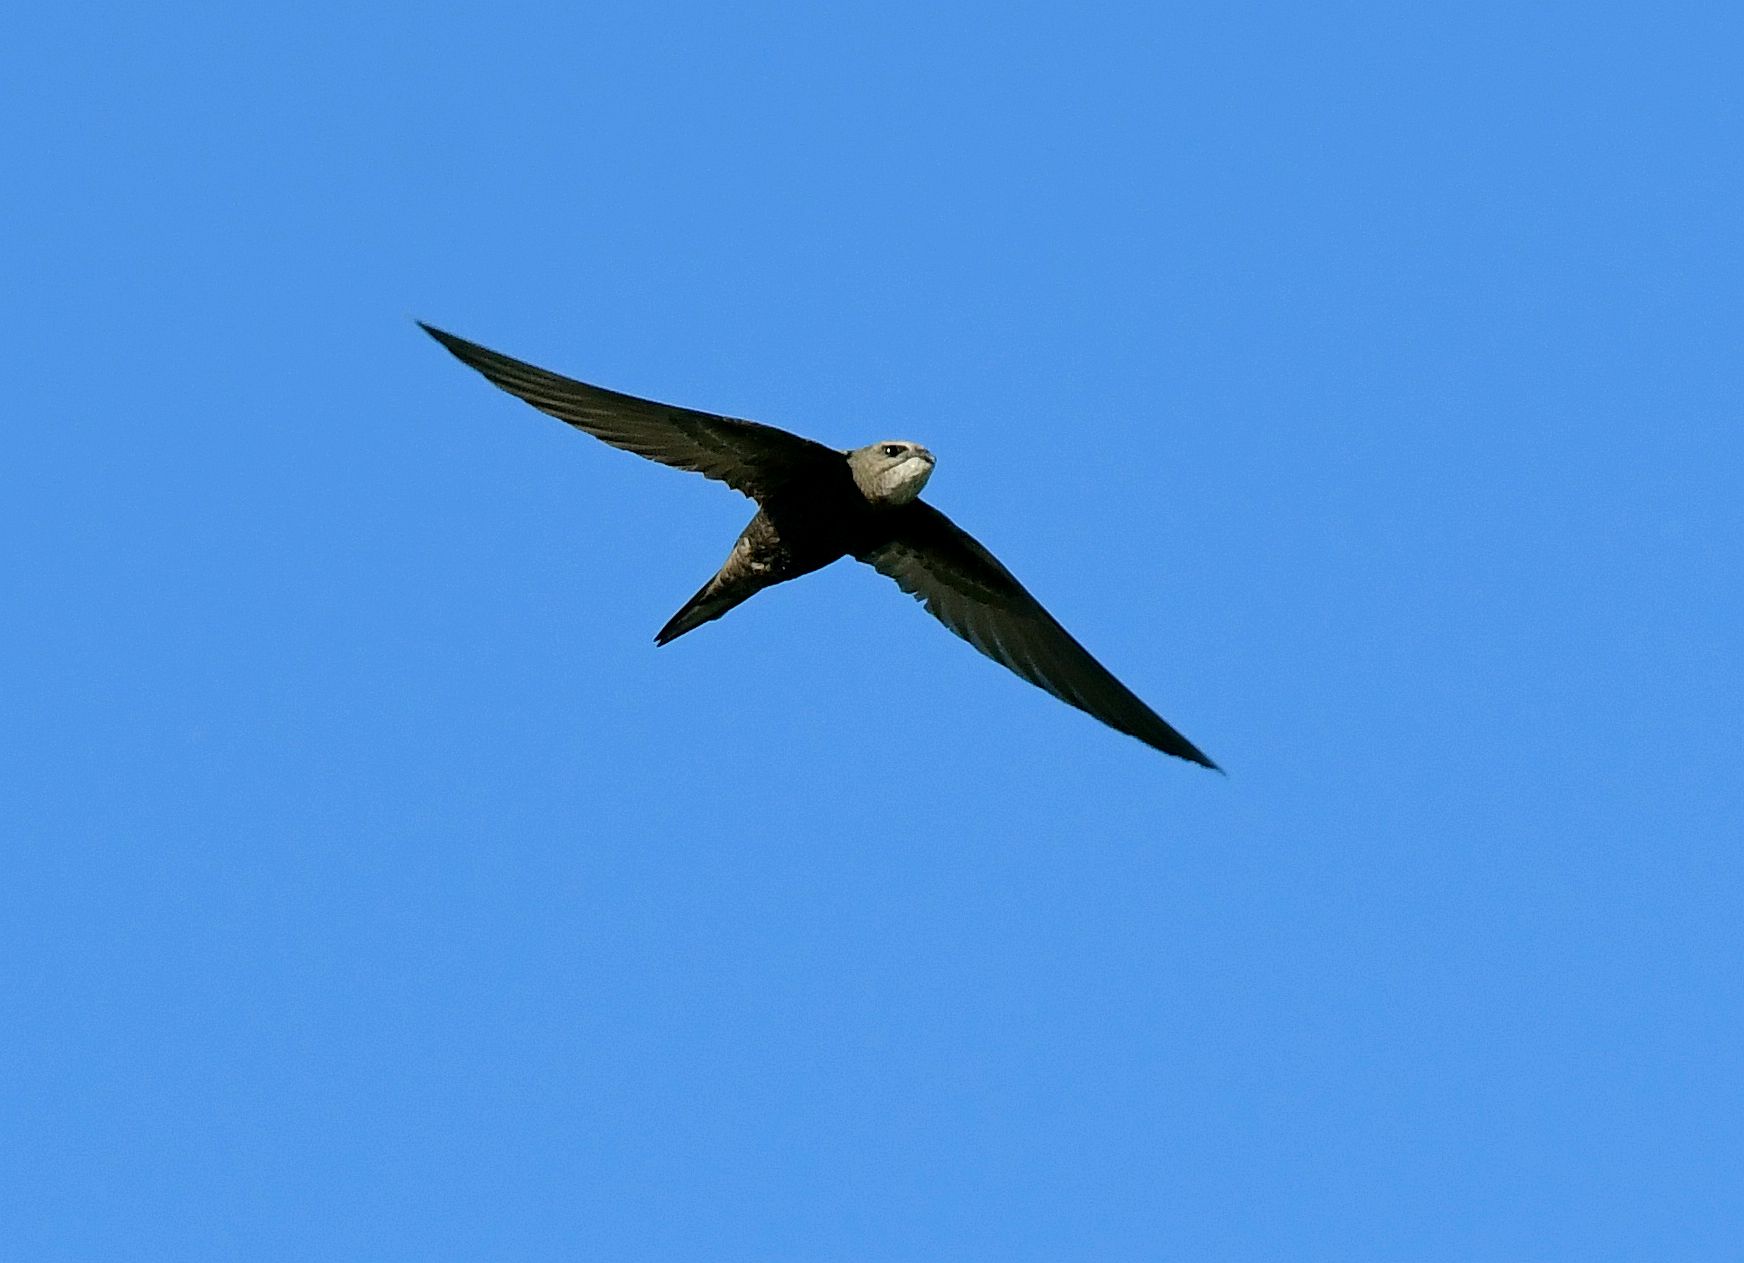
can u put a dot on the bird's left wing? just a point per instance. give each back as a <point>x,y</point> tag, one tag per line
<point>749,457</point>
<point>965,588</point>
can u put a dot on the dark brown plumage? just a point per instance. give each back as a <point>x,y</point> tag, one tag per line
<point>816,505</point>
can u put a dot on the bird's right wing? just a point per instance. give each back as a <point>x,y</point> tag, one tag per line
<point>749,457</point>
<point>965,588</point>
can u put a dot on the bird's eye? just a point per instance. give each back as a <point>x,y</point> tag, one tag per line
<point>894,449</point>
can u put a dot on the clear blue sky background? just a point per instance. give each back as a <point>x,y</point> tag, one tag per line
<point>1361,382</point>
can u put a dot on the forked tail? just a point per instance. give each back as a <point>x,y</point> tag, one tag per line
<point>712,600</point>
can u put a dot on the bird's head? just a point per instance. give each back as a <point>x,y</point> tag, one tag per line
<point>891,472</point>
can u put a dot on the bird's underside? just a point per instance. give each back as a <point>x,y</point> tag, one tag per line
<point>762,556</point>
<point>816,505</point>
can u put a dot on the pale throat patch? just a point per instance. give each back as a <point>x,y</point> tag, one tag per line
<point>902,482</point>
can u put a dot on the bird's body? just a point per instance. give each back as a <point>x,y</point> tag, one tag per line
<point>816,505</point>
<point>790,536</point>
<point>808,523</point>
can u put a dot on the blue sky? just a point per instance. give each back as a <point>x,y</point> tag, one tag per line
<point>1360,382</point>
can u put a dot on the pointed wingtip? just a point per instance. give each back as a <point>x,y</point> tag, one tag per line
<point>1206,761</point>
<point>441,335</point>
<point>468,353</point>
<point>1199,758</point>
<point>1191,753</point>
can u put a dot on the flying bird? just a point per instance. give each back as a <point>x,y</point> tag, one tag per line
<point>815,505</point>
